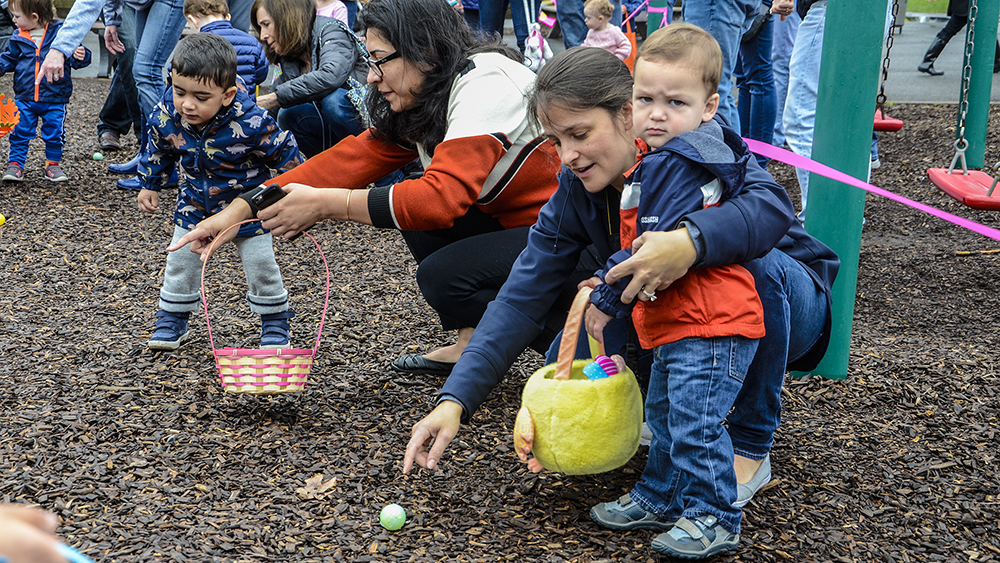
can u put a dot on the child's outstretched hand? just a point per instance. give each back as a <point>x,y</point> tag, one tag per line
<point>595,321</point>
<point>79,53</point>
<point>149,201</point>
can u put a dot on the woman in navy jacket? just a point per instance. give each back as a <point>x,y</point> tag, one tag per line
<point>793,281</point>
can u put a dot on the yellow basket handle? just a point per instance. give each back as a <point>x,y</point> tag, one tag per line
<point>571,334</point>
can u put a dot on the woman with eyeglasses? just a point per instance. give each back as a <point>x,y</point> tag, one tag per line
<point>458,101</point>
<point>319,89</point>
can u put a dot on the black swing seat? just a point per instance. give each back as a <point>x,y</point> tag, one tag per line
<point>970,189</point>
<point>883,123</point>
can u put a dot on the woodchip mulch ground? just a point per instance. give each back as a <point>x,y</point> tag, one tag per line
<point>146,459</point>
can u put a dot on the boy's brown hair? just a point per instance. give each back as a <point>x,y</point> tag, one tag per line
<point>600,7</point>
<point>683,43</point>
<point>204,8</point>
<point>46,9</point>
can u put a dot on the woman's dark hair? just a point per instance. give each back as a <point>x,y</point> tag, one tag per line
<point>428,33</point>
<point>581,78</point>
<point>293,25</point>
<point>206,57</point>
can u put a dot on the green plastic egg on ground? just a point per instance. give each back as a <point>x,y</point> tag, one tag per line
<point>392,517</point>
<point>98,156</point>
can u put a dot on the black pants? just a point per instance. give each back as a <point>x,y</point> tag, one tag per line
<point>121,108</point>
<point>461,270</point>
<point>955,24</point>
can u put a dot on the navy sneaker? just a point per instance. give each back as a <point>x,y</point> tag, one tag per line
<point>275,331</point>
<point>626,514</point>
<point>696,538</point>
<point>171,331</point>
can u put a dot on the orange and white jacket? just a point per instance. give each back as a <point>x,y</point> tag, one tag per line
<point>491,157</point>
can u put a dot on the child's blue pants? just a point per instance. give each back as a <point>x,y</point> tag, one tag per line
<point>52,115</point>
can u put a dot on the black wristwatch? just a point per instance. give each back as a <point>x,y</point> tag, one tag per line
<point>262,197</point>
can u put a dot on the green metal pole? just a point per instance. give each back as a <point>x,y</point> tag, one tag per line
<point>981,81</point>
<point>849,72</point>
<point>654,19</point>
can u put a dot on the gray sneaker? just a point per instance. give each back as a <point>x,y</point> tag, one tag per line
<point>14,173</point>
<point>54,173</point>
<point>698,538</point>
<point>626,514</point>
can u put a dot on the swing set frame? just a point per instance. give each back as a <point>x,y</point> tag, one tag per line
<point>974,189</point>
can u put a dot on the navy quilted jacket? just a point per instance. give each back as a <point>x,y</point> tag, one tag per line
<point>24,57</point>
<point>251,63</point>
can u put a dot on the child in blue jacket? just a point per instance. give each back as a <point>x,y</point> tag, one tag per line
<point>36,30</point>
<point>222,145</point>
<point>212,16</point>
<point>705,326</point>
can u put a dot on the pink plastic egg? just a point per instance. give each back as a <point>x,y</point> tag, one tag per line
<point>607,364</point>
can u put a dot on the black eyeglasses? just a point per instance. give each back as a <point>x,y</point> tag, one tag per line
<point>376,65</point>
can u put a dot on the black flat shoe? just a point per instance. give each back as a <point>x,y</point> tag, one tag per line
<point>417,364</point>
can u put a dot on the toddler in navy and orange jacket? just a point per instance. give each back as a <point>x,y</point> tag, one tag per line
<point>704,326</point>
<point>36,30</point>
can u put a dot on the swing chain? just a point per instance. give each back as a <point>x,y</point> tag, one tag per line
<point>967,76</point>
<point>880,99</point>
<point>961,145</point>
<point>996,177</point>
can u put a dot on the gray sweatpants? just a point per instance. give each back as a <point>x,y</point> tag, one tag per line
<point>181,290</point>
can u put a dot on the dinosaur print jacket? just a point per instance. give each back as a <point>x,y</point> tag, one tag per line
<point>241,148</point>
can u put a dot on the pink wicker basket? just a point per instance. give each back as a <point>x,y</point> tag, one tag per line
<point>264,371</point>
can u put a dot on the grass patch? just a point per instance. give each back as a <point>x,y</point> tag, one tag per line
<point>927,7</point>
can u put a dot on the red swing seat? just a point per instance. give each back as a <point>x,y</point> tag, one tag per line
<point>883,123</point>
<point>970,189</point>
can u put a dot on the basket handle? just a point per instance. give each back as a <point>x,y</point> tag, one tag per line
<point>204,297</point>
<point>571,334</point>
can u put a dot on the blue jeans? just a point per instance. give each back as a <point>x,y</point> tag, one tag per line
<point>352,12</point>
<point>692,386</point>
<point>153,46</point>
<point>53,117</point>
<point>318,131</point>
<point>570,16</point>
<point>795,311</point>
<point>755,83</point>
<point>492,13</point>
<point>239,14</point>
<point>726,20</point>
<point>799,118</point>
<point>121,108</point>
<point>783,39</point>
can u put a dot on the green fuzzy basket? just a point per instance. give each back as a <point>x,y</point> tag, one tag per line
<point>579,426</point>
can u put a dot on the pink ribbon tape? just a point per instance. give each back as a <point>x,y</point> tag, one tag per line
<point>788,157</point>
